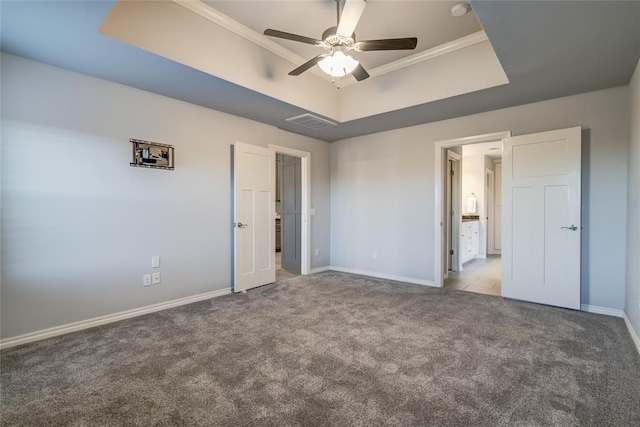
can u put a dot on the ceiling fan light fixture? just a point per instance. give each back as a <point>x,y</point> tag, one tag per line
<point>338,64</point>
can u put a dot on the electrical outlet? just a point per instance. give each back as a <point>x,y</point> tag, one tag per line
<point>146,280</point>
<point>317,252</point>
<point>155,262</point>
<point>374,255</point>
<point>155,278</point>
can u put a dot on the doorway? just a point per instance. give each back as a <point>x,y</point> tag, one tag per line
<point>253,193</point>
<point>540,240</point>
<point>288,224</point>
<point>470,185</point>
<point>295,229</point>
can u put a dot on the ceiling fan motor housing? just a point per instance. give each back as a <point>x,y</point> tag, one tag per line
<point>333,39</point>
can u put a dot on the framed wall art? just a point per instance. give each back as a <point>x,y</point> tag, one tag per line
<point>149,154</point>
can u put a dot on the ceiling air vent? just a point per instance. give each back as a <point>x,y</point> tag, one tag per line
<point>310,121</point>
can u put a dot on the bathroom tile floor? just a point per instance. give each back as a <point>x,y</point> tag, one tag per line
<point>480,275</point>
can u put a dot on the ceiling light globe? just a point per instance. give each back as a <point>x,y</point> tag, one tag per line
<point>338,64</point>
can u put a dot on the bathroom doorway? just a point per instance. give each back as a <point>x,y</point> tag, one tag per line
<point>469,188</point>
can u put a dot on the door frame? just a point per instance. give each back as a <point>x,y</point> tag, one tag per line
<point>489,204</point>
<point>496,162</point>
<point>305,172</point>
<point>440,201</point>
<point>453,228</point>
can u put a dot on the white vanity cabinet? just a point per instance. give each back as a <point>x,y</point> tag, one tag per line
<point>469,240</point>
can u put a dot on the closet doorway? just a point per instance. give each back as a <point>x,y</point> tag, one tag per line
<point>292,225</point>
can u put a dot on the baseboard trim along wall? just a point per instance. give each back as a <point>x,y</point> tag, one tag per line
<point>601,310</point>
<point>320,269</point>
<point>384,276</point>
<point>110,318</point>
<point>632,332</point>
<point>616,313</point>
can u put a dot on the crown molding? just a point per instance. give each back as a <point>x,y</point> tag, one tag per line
<point>426,55</point>
<point>247,33</point>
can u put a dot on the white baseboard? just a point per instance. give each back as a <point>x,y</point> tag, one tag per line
<point>384,276</point>
<point>110,318</point>
<point>601,310</point>
<point>320,269</point>
<point>634,335</point>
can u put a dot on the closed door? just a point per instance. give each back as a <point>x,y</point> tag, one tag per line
<point>291,216</point>
<point>541,218</point>
<point>254,216</point>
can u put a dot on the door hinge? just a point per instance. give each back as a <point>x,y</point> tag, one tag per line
<point>451,252</point>
<point>452,172</point>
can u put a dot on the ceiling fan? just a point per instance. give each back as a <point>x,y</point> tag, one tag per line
<point>339,41</point>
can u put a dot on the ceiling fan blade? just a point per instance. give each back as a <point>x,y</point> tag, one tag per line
<point>304,67</point>
<point>407,43</point>
<point>360,73</point>
<point>294,37</point>
<point>351,13</point>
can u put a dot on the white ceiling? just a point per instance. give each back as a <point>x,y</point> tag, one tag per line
<point>430,21</point>
<point>490,149</point>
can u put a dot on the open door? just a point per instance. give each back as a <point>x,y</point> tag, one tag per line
<point>541,218</point>
<point>254,216</point>
<point>291,204</point>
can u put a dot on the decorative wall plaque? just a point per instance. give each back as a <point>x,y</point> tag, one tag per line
<point>149,154</point>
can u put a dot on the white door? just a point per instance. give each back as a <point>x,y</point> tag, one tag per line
<point>541,218</point>
<point>254,218</point>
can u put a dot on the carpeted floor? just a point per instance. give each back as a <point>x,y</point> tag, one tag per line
<point>332,349</point>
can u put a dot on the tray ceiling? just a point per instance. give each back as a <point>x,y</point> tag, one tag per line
<point>430,21</point>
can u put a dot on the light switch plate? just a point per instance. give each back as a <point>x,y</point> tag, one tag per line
<point>146,280</point>
<point>155,278</point>
<point>155,262</point>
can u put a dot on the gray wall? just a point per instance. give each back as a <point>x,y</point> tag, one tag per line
<point>382,189</point>
<point>79,225</point>
<point>633,214</point>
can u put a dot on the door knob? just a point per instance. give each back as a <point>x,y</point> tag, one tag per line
<point>572,228</point>
<point>241,225</point>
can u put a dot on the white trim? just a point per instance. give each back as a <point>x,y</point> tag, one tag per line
<point>439,148</point>
<point>634,335</point>
<point>305,172</point>
<point>425,55</point>
<point>490,207</point>
<point>110,318</point>
<point>601,310</point>
<point>493,247</point>
<point>259,39</point>
<point>456,205</point>
<point>320,269</point>
<point>383,276</point>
